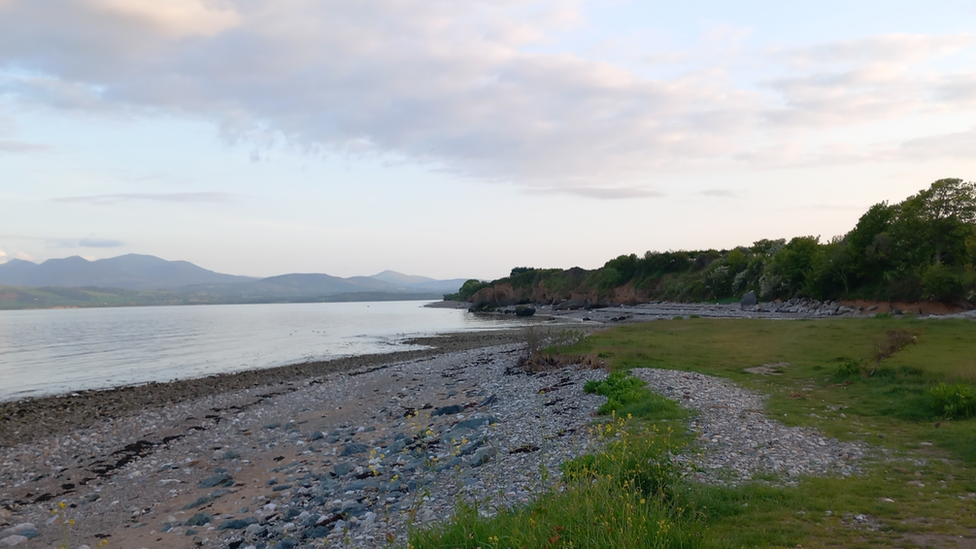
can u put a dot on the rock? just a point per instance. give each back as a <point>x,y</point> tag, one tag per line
<point>317,435</point>
<point>445,410</point>
<point>571,305</point>
<point>361,484</point>
<point>13,530</point>
<point>317,532</point>
<point>4,517</point>
<point>237,524</point>
<point>231,454</point>
<point>482,456</point>
<point>30,533</point>
<point>471,447</point>
<point>202,500</point>
<point>287,543</point>
<point>749,299</point>
<point>353,449</point>
<point>221,479</point>
<point>343,469</point>
<point>199,519</point>
<point>396,447</point>
<point>353,510</point>
<point>10,541</point>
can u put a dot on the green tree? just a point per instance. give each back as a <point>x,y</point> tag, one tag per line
<point>932,226</point>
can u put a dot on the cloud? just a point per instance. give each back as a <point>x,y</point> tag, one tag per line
<point>602,193</point>
<point>176,18</point>
<point>950,145</point>
<point>97,243</point>
<point>151,197</point>
<point>720,193</point>
<point>5,257</point>
<point>456,86</point>
<point>7,146</point>
<point>895,48</point>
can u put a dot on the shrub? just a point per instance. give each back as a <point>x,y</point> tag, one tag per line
<point>894,341</point>
<point>955,401</point>
<point>941,283</point>
<point>850,368</point>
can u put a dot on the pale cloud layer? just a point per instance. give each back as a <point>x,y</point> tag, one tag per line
<point>331,128</point>
<point>457,85</point>
<point>149,197</point>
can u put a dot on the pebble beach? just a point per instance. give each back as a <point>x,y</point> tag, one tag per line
<point>350,453</point>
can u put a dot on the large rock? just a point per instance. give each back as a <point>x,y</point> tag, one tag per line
<point>749,299</point>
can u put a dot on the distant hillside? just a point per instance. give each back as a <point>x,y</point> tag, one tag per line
<point>131,272</point>
<point>420,282</point>
<point>146,280</point>
<point>293,285</point>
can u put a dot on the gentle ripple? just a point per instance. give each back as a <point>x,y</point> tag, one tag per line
<point>44,352</point>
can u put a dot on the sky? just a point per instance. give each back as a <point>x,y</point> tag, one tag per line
<point>461,138</point>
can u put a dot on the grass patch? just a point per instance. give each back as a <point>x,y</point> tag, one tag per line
<point>825,378</point>
<point>919,402</point>
<point>629,396</point>
<point>621,497</point>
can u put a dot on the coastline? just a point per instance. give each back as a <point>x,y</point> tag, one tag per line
<point>358,450</point>
<point>26,420</point>
<point>345,453</point>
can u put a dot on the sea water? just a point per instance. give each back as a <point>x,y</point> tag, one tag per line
<point>55,351</point>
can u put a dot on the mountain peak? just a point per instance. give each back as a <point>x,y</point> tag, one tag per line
<point>393,277</point>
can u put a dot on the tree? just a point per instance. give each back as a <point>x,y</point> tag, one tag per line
<point>868,244</point>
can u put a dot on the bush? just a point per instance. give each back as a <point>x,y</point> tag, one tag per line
<point>941,283</point>
<point>954,401</point>
<point>850,368</point>
<point>468,289</point>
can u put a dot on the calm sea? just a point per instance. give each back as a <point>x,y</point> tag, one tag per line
<point>45,352</point>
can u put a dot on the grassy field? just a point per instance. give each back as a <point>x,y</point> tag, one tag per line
<point>920,491</point>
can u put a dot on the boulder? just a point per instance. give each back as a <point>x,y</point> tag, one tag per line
<point>749,299</point>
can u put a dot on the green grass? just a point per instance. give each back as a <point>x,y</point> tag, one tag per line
<point>620,497</point>
<point>897,399</point>
<point>629,396</point>
<point>916,494</point>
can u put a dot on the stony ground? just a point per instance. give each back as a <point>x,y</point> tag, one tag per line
<point>349,454</point>
<point>352,458</point>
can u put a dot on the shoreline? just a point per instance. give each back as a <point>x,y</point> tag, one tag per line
<point>361,452</point>
<point>26,420</point>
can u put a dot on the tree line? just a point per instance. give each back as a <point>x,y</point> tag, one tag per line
<point>922,248</point>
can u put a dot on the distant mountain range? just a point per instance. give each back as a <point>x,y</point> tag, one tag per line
<point>132,272</point>
<point>144,277</point>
